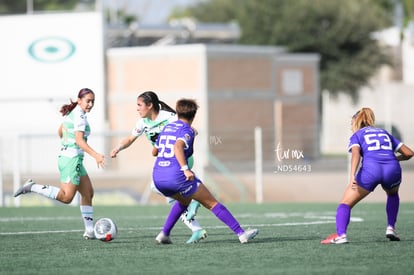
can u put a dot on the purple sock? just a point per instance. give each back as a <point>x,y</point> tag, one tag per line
<point>343,216</point>
<point>176,210</point>
<point>393,204</point>
<point>226,217</point>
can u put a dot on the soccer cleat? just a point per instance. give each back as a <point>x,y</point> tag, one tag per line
<point>198,236</point>
<point>26,188</point>
<point>89,235</point>
<point>192,210</point>
<point>391,234</point>
<point>335,239</point>
<point>248,235</point>
<point>163,239</point>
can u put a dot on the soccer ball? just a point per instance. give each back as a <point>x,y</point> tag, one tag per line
<point>105,230</point>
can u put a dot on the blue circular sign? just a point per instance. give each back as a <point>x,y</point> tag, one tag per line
<point>51,49</point>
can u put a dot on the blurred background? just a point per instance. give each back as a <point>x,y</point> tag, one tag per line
<point>277,83</point>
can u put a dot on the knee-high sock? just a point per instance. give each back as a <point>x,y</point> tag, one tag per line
<point>226,217</point>
<point>46,190</point>
<point>176,210</point>
<point>343,216</point>
<point>87,216</point>
<point>192,224</point>
<point>392,207</point>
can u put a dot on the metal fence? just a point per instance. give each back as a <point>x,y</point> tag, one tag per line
<point>221,165</point>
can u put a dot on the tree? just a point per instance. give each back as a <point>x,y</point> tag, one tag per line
<point>20,6</point>
<point>340,31</point>
<point>408,11</point>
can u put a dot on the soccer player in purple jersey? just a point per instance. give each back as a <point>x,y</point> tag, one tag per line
<point>155,114</point>
<point>379,166</point>
<point>173,178</point>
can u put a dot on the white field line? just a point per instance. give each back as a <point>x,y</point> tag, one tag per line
<point>38,232</point>
<point>318,220</point>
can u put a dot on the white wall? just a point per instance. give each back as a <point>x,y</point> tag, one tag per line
<point>45,60</point>
<point>408,55</point>
<point>391,103</point>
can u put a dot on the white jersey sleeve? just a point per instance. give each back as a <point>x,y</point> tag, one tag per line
<point>151,127</point>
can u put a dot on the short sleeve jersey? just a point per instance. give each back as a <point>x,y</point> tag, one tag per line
<point>151,128</point>
<point>376,144</point>
<point>166,164</point>
<point>75,121</point>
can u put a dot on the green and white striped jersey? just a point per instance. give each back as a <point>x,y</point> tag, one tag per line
<point>73,122</point>
<point>151,128</point>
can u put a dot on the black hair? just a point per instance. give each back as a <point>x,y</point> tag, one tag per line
<point>150,97</point>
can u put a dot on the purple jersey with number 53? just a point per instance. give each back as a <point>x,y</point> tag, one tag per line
<point>379,162</point>
<point>167,174</point>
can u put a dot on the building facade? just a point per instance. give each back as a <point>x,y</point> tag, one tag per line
<point>238,88</point>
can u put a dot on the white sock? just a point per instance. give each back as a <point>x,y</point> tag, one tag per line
<point>170,200</point>
<point>46,190</point>
<point>87,217</point>
<point>192,224</point>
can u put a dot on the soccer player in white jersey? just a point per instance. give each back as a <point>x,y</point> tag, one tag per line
<point>73,132</point>
<point>155,114</point>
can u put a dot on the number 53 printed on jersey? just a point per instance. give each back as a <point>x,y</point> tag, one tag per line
<point>378,142</point>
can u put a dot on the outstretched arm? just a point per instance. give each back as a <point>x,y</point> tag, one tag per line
<point>406,153</point>
<point>100,159</point>
<point>125,143</point>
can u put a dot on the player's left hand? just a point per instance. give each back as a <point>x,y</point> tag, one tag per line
<point>189,175</point>
<point>354,185</point>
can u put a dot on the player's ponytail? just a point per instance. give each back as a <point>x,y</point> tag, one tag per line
<point>166,107</point>
<point>363,118</point>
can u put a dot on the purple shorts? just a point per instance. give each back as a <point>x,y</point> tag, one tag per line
<point>169,186</point>
<point>372,174</point>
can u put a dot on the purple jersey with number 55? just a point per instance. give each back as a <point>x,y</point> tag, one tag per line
<point>167,174</point>
<point>379,162</point>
